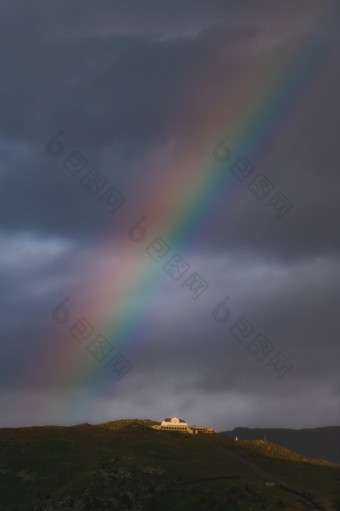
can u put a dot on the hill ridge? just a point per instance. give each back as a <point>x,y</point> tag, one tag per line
<point>126,464</point>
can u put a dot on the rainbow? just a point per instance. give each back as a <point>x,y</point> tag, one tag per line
<point>262,111</point>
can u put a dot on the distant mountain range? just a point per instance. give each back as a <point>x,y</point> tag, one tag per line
<point>313,443</point>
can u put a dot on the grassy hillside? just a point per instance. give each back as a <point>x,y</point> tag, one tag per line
<point>313,443</point>
<point>125,465</point>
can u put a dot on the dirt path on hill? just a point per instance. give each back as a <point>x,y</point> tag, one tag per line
<point>281,484</point>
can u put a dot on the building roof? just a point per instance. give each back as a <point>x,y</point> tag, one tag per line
<point>174,420</point>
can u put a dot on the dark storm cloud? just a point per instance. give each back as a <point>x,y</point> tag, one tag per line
<point>108,91</point>
<point>108,94</point>
<point>115,78</point>
<point>101,84</point>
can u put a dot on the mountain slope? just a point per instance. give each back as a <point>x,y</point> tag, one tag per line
<point>125,465</point>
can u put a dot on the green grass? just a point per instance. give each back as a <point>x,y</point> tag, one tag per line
<point>127,465</point>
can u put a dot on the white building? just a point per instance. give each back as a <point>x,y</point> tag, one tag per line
<point>176,424</point>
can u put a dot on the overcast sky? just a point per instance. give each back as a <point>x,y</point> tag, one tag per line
<point>143,92</point>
